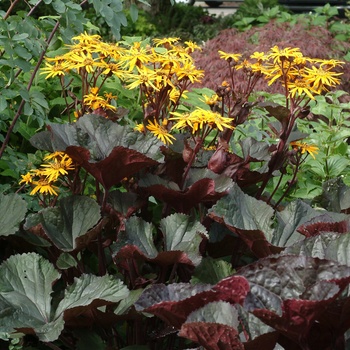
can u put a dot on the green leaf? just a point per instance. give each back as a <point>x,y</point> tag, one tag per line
<point>250,218</point>
<point>182,233</point>
<point>19,37</point>
<point>72,219</point>
<point>59,6</point>
<point>328,245</point>
<point>244,212</point>
<point>23,52</point>
<point>138,233</point>
<point>3,103</point>
<point>133,12</point>
<point>99,136</point>
<point>216,312</point>
<point>212,271</point>
<point>125,203</point>
<point>13,209</point>
<point>89,288</point>
<point>335,195</point>
<point>25,287</point>
<point>88,340</point>
<point>65,261</point>
<point>335,165</point>
<point>292,217</point>
<point>128,302</point>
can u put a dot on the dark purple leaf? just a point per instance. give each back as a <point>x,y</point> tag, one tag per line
<point>121,163</point>
<point>212,336</point>
<point>201,187</point>
<point>290,293</point>
<point>182,238</point>
<point>324,223</point>
<point>175,302</point>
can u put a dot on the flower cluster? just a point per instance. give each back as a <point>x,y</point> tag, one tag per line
<point>42,180</point>
<point>302,76</point>
<point>162,73</point>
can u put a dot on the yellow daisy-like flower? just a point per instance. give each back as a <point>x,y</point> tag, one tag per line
<point>165,41</point>
<point>212,100</point>
<point>54,169</point>
<point>95,102</point>
<point>200,119</point>
<point>27,178</point>
<point>57,154</point>
<point>135,56</point>
<point>45,187</point>
<point>260,56</point>
<point>80,59</point>
<point>189,71</point>
<point>86,38</point>
<point>191,47</point>
<point>286,54</point>
<point>140,128</point>
<point>230,56</point>
<point>53,70</point>
<point>94,90</point>
<point>160,132</point>
<point>304,147</point>
<point>321,78</point>
<point>145,77</point>
<point>300,86</point>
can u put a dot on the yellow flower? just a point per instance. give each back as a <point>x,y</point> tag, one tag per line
<point>86,38</point>
<point>80,59</point>
<point>145,77</point>
<point>212,100</point>
<point>286,54</point>
<point>44,186</point>
<point>94,90</point>
<point>94,102</point>
<point>165,41</point>
<point>53,155</point>
<point>160,132</point>
<point>27,178</point>
<point>191,46</point>
<point>260,56</point>
<point>140,128</point>
<point>230,56</point>
<point>135,56</point>
<point>189,71</point>
<point>300,86</point>
<point>56,168</point>
<point>304,147</point>
<point>52,70</point>
<point>320,77</point>
<point>201,119</point>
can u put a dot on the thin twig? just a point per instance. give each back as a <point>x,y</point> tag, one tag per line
<point>7,14</point>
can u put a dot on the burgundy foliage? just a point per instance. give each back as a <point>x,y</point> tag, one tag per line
<point>171,304</point>
<point>121,163</point>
